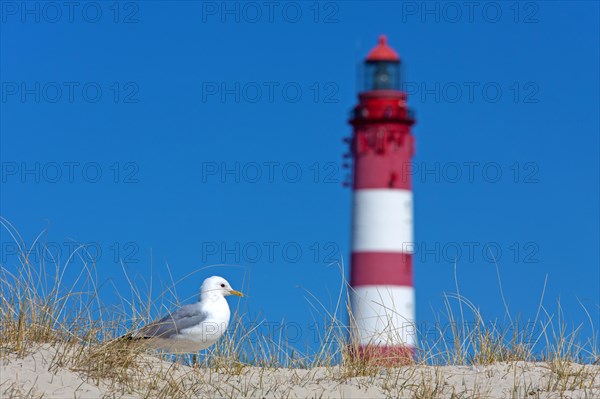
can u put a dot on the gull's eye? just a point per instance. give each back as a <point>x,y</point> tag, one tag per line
<point>222,285</point>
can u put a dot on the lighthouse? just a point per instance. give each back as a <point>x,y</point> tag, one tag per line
<point>382,298</point>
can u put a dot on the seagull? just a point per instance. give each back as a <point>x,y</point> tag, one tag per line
<point>193,327</point>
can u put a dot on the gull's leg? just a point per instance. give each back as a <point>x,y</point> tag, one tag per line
<point>195,360</point>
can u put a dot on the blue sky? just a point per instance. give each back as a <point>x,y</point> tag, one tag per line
<point>194,134</point>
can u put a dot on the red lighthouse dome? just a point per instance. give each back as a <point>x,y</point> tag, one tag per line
<point>383,52</point>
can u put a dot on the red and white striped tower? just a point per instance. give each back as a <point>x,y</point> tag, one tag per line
<point>382,294</point>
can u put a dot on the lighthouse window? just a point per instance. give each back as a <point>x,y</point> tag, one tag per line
<point>382,75</point>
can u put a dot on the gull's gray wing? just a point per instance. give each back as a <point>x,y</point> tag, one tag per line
<point>185,317</point>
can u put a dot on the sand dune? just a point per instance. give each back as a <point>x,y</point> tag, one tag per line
<point>39,373</point>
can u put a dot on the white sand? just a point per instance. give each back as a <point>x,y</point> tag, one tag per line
<point>29,376</point>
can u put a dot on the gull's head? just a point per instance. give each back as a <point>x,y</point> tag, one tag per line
<point>216,285</point>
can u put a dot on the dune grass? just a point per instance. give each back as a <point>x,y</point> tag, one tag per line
<point>53,307</point>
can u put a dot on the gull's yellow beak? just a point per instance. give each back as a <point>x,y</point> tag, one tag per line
<point>236,293</point>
